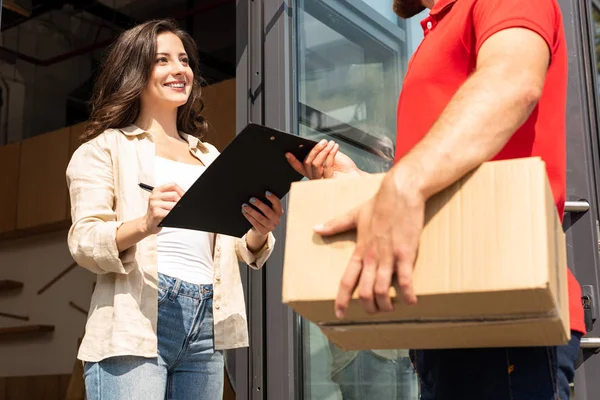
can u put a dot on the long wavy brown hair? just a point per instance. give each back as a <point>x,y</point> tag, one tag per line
<point>125,73</point>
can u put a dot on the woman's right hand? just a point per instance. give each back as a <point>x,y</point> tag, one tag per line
<point>161,201</point>
<point>324,161</point>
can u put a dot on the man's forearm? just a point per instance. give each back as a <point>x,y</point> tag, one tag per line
<point>477,123</point>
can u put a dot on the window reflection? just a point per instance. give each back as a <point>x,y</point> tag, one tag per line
<point>349,78</point>
<point>352,56</point>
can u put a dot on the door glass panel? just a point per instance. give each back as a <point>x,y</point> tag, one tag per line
<point>351,59</point>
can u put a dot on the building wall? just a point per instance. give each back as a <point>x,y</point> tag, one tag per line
<point>35,262</point>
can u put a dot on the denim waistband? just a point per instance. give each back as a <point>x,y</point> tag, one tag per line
<point>177,287</point>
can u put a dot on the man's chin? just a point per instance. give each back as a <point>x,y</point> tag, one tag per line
<point>408,8</point>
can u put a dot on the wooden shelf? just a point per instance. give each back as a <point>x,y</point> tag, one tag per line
<point>15,332</point>
<point>8,285</point>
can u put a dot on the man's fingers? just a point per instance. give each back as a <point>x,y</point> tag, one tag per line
<point>367,281</point>
<point>318,164</point>
<point>348,284</point>
<point>330,161</point>
<point>338,225</point>
<point>312,155</point>
<point>297,165</point>
<point>385,272</point>
<point>404,271</point>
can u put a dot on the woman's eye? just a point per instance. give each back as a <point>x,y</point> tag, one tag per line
<point>161,60</point>
<point>185,61</point>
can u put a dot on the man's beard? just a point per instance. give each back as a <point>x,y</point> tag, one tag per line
<point>408,8</point>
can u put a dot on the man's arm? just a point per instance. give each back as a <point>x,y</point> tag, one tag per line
<point>483,114</point>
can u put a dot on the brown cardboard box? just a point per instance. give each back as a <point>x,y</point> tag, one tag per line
<point>491,269</point>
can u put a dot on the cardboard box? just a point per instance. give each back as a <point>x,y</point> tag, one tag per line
<point>491,269</point>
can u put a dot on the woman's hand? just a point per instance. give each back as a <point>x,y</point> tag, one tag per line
<point>262,224</point>
<point>161,201</point>
<point>324,161</point>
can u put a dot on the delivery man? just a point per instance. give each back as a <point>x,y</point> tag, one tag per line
<point>488,82</point>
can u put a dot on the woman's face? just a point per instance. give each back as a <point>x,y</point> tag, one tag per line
<point>170,83</point>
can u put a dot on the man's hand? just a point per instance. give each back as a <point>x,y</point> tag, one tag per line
<point>388,230</point>
<point>324,161</point>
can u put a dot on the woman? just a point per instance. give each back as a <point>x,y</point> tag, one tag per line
<point>167,301</point>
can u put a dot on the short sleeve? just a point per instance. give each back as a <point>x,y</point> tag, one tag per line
<point>492,16</point>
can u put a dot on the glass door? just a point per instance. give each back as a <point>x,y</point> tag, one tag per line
<point>351,59</point>
<point>350,63</point>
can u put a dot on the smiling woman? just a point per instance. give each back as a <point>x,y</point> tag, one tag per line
<point>138,61</point>
<point>167,301</point>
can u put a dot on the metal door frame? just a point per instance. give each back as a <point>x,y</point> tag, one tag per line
<point>264,94</point>
<point>582,183</point>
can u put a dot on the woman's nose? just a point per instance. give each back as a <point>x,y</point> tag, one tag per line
<point>178,68</point>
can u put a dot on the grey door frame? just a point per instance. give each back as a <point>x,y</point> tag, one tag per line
<point>264,94</point>
<point>583,162</point>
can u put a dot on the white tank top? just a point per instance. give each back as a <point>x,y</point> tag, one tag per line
<point>183,253</point>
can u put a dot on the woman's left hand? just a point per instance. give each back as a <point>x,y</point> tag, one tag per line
<point>266,222</point>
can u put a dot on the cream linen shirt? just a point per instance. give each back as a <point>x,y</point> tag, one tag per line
<point>103,177</point>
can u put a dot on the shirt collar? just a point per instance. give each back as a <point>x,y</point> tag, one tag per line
<point>441,6</point>
<point>193,141</point>
<point>436,14</point>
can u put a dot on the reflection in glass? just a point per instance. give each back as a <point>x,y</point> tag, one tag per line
<point>352,56</point>
<point>349,82</point>
<point>333,374</point>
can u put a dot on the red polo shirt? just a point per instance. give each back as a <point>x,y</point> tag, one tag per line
<point>454,32</point>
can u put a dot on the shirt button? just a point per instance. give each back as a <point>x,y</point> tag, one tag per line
<point>217,306</point>
<point>218,278</point>
<point>429,25</point>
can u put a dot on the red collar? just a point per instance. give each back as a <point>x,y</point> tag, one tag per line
<point>436,14</point>
<point>441,6</point>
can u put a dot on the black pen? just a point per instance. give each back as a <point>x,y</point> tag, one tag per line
<point>146,187</point>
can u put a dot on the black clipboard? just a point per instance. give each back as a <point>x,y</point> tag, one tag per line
<point>251,164</point>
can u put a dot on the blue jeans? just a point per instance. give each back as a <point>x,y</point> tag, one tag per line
<point>370,376</point>
<point>187,366</point>
<point>524,373</point>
